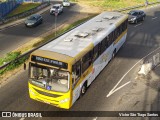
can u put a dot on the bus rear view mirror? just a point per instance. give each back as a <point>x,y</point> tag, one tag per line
<point>24,66</point>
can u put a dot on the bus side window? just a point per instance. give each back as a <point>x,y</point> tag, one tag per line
<point>113,35</point>
<point>103,46</point>
<point>109,40</point>
<point>99,49</point>
<point>118,31</point>
<point>121,29</point>
<point>95,53</point>
<point>86,61</point>
<point>76,72</point>
<point>124,26</point>
<point>106,43</point>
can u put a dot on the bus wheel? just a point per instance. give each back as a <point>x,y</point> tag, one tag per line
<point>83,89</point>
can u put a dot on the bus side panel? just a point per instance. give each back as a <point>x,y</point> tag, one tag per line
<point>97,67</point>
<point>77,90</point>
<point>102,61</point>
<point>107,56</point>
<point>91,77</point>
<point>120,42</point>
<point>75,94</point>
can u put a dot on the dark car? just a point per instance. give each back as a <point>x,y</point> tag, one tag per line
<point>33,20</point>
<point>136,15</point>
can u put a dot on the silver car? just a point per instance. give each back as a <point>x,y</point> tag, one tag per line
<point>56,9</point>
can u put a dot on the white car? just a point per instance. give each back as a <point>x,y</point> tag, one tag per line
<point>57,8</point>
<point>66,3</point>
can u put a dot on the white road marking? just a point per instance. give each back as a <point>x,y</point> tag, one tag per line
<point>138,25</point>
<point>95,118</point>
<point>114,88</point>
<point>22,119</point>
<point>154,18</point>
<point>113,91</point>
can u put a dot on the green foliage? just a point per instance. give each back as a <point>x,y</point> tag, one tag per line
<point>10,57</point>
<point>113,4</point>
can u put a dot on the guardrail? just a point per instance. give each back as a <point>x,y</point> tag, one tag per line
<point>29,52</point>
<point>150,62</point>
<point>24,14</point>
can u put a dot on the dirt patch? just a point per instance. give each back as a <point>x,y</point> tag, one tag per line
<point>83,8</point>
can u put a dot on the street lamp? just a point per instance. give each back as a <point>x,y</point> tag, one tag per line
<point>56,14</point>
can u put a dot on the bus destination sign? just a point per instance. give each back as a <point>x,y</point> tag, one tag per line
<point>49,61</point>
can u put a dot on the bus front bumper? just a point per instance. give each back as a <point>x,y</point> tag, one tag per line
<point>63,101</point>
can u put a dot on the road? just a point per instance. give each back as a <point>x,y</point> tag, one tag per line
<point>14,37</point>
<point>141,40</point>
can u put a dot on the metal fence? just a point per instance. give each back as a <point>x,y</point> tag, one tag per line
<point>24,14</point>
<point>153,58</point>
<point>35,0</point>
<point>7,7</point>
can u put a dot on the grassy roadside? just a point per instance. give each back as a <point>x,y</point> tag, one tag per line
<point>22,8</point>
<point>112,4</point>
<point>13,55</point>
<point>9,57</point>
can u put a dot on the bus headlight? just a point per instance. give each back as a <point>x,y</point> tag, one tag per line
<point>64,100</point>
<point>31,92</point>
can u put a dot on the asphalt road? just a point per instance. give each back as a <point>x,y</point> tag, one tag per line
<point>141,40</point>
<point>14,37</point>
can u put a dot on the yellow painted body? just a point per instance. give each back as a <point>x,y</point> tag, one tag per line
<point>55,101</point>
<point>33,90</point>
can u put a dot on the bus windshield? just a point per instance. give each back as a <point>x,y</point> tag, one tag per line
<point>49,78</point>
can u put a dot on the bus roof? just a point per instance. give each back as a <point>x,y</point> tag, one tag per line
<point>86,35</point>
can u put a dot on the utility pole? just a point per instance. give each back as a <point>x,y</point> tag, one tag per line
<point>56,13</point>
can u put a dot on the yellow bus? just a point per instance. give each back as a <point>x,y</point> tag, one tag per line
<point>61,71</point>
